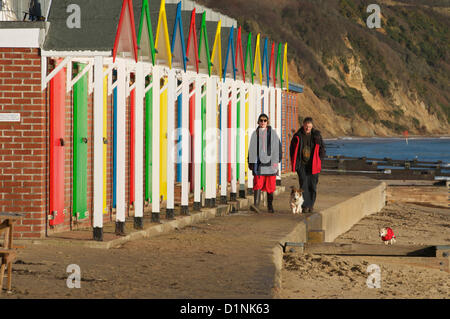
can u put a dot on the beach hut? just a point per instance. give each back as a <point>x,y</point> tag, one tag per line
<point>185,104</point>
<point>214,36</point>
<point>229,87</point>
<point>147,54</point>
<point>125,47</point>
<point>86,60</point>
<point>164,81</point>
<point>242,111</point>
<point>111,108</point>
<point>170,14</point>
<point>186,100</point>
<point>198,127</point>
<point>250,104</point>
<point>205,39</point>
<point>191,53</point>
<point>275,100</point>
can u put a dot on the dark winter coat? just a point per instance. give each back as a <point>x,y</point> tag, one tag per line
<point>317,148</point>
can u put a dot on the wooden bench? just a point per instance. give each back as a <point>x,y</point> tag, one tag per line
<point>7,256</point>
<point>7,250</point>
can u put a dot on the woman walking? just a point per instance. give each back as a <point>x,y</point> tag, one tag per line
<point>264,154</point>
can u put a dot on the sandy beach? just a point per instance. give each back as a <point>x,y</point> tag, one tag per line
<point>320,276</point>
<point>231,257</point>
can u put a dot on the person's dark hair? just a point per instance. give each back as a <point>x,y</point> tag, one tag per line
<point>308,120</point>
<point>262,115</point>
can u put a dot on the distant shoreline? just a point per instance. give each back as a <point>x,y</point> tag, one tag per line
<point>386,137</point>
<point>422,148</point>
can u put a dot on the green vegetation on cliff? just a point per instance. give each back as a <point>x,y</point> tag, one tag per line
<point>410,52</point>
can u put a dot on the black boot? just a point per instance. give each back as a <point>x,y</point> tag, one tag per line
<point>269,203</point>
<point>256,201</point>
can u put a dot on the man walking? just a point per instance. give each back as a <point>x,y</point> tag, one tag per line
<point>307,152</point>
<point>264,154</point>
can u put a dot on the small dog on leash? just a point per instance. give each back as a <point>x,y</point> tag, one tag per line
<point>387,235</point>
<point>296,200</point>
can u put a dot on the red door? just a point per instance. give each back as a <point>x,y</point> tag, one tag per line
<point>57,142</point>
<point>132,143</point>
<point>229,141</point>
<point>191,131</point>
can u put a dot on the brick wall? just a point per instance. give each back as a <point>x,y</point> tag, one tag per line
<point>289,125</point>
<point>23,145</point>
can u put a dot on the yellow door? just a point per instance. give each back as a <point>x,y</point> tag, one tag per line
<point>163,143</point>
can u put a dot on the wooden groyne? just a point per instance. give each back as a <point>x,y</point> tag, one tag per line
<point>386,168</point>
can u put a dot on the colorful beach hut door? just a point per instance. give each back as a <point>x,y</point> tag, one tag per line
<point>80,146</point>
<point>148,145</point>
<point>57,105</point>
<point>229,71</point>
<point>132,145</point>
<point>147,53</point>
<point>114,144</point>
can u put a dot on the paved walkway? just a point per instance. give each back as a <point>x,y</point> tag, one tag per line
<point>224,257</point>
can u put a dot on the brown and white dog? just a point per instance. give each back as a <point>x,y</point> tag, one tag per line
<point>387,235</point>
<point>296,200</point>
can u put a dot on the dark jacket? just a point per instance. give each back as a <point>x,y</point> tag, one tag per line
<point>317,147</point>
<point>263,160</point>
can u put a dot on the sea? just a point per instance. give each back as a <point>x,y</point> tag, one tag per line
<point>420,148</point>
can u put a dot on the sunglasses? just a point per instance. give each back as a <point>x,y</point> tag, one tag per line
<point>263,120</point>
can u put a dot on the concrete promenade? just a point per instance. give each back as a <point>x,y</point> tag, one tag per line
<point>233,255</point>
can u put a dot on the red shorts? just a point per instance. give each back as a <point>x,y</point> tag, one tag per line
<point>265,183</point>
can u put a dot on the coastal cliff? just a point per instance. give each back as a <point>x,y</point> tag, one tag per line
<point>360,81</point>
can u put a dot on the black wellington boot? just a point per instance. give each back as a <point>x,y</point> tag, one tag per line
<point>256,201</point>
<point>270,202</point>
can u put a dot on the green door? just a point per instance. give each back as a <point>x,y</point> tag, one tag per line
<point>148,145</point>
<point>80,146</point>
<point>203,143</point>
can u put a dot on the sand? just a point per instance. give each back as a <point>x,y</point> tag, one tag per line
<point>321,276</point>
<point>222,258</point>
